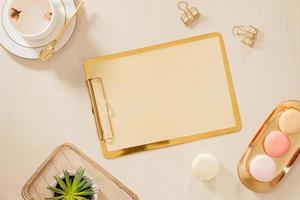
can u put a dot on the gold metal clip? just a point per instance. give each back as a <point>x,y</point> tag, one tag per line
<point>189,14</point>
<point>247,34</point>
<point>101,109</point>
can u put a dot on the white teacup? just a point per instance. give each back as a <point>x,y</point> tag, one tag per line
<point>32,19</point>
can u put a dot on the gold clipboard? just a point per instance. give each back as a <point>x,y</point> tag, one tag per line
<point>135,99</point>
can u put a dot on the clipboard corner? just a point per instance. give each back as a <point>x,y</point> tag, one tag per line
<point>86,68</point>
<point>218,34</point>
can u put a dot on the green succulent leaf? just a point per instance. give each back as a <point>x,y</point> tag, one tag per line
<point>67,177</point>
<point>56,190</point>
<point>61,183</point>
<point>84,193</point>
<point>85,186</point>
<point>78,177</point>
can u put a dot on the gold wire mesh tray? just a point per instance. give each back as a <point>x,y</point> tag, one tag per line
<point>69,157</point>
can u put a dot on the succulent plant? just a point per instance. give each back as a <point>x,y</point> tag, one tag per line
<point>77,187</point>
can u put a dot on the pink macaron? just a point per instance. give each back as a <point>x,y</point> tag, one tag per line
<point>277,144</point>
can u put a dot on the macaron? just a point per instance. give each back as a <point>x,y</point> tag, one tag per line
<point>205,166</point>
<point>289,121</point>
<point>277,144</point>
<point>263,168</point>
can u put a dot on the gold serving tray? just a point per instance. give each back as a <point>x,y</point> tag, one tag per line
<point>284,164</point>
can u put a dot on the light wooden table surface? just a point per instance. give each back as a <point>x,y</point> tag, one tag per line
<point>45,104</point>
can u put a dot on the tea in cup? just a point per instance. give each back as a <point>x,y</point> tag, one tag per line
<point>32,19</point>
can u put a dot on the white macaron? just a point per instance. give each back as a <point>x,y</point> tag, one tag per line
<point>205,166</point>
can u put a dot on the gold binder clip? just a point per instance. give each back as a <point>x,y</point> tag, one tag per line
<point>189,14</point>
<point>247,35</point>
<point>101,109</point>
